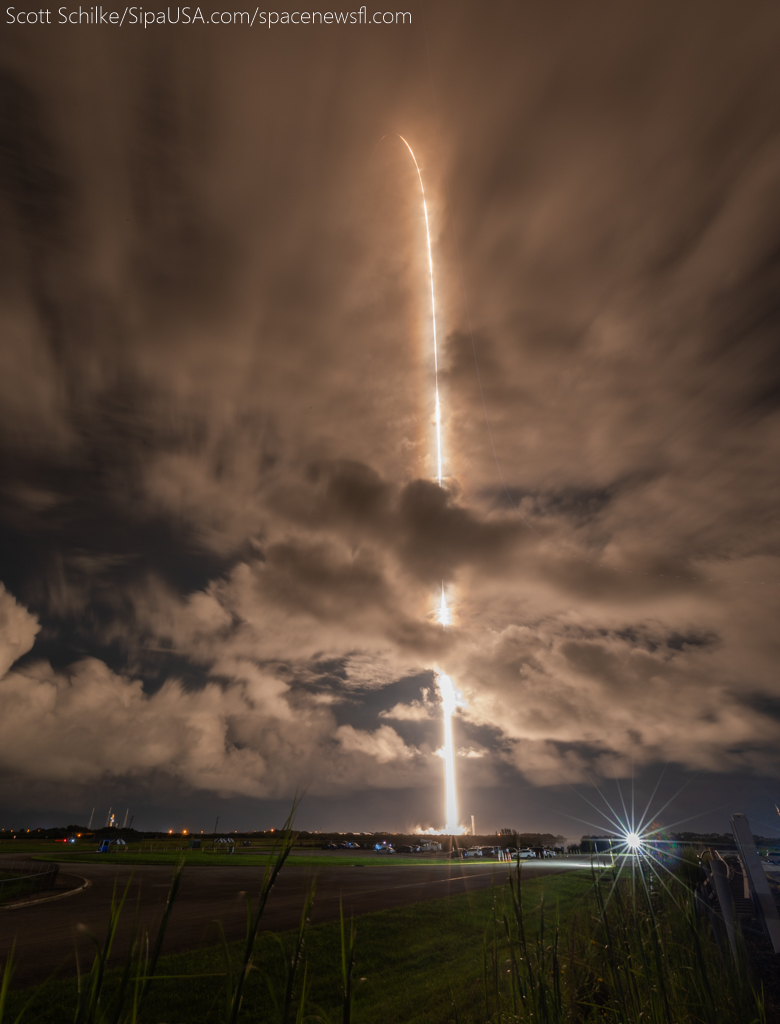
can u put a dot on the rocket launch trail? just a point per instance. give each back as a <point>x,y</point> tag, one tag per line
<point>450,697</point>
<point>433,314</point>
<point>450,702</point>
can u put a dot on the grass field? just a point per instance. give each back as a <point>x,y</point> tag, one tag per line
<point>628,945</point>
<point>161,846</point>
<point>411,964</point>
<point>15,888</point>
<point>200,858</point>
<point>22,849</point>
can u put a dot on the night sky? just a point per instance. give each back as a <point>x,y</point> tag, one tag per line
<point>221,539</point>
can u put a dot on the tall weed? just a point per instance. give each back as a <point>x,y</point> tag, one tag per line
<point>637,952</point>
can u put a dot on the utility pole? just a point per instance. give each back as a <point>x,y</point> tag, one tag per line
<point>90,819</point>
<point>124,823</point>
<point>215,825</point>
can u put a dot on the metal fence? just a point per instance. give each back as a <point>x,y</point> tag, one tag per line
<point>26,877</point>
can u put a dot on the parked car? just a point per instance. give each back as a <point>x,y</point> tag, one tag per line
<point>405,849</point>
<point>473,851</point>
<point>385,849</point>
<point>524,855</point>
<point>489,851</point>
<point>329,846</point>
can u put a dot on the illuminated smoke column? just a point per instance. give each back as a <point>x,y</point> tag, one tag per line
<point>444,612</point>
<point>450,698</point>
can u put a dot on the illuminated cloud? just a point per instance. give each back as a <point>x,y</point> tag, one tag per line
<point>382,745</point>
<point>221,536</point>
<point>18,629</point>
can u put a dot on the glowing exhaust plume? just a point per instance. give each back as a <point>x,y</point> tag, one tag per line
<point>433,313</point>
<point>444,615</point>
<point>451,701</point>
<point>449,696</point>
<point>444,612</point>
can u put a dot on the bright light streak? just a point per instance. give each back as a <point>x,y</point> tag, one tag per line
<point>444,612</point>
<point>433,314</point>
<point>451,701</point>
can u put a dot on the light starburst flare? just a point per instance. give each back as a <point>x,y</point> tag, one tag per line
<point>633,841</point>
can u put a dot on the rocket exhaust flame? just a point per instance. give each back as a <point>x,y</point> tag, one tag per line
<point>449,696</point>
<point>444,612</point>
<point>451,701</point>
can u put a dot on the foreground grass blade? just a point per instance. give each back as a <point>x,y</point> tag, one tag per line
<point>347,966</point>
<point>8,970</point>
<point>295,960</point>
<point>150,965</point>
<point>5,984</point>
<point>87,1008</point>
<point>235,985</point>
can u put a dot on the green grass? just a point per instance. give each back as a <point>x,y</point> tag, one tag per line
<point>16,890</point>
<point>583,947</point>
<point>16,886</point>
<point>201,858</point>
<point>22,848</point>
<point>409,964</point>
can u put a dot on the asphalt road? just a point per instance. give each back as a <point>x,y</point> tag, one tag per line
<point>47,934</point>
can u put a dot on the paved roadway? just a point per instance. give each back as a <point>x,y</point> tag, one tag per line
<point>47,934</point>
